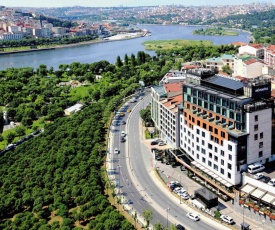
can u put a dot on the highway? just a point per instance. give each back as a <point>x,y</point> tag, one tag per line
<point>133,172</point>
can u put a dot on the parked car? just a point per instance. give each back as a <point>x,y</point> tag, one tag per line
<point>123,134</point>
<point>161,143</point>
<point>129,110</point>
<point>227,219</point>
<point>271,182</point>
<point>180,227</point>
<point>122,139</point>
<point>185,196</point>
<point>154,143</point>
<point>258,176</point>
<point>10,147</point>
<point>116,151</point>
<point>123,122</point>
<point>265,179</point>
<point>193,216</point>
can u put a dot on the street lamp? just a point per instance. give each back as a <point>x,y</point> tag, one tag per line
<point>167,210</point>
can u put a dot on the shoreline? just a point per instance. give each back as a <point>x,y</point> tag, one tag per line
<point>121,38</point>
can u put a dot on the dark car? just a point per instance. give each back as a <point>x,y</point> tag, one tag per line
<point>154,142</point>
<point>180,227</point>
<point>265,179</point>
<point>122,139</point>
<point>36,132</point>
<point>29,137</point>
<point>123,122</point>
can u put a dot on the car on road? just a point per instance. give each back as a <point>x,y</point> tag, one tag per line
<point>10,147</point>
<point>129,110</point>
<point>193,216</point>
<point>123,134</point>
<point>123,122</point>
<point>185,196</point>
<point>122,139</point>
<point>180,227</point>
<point>265,179</point>
<point>271,182</point>
<point>116,151</point>
<point>258,176</point>
<point>227,219</point>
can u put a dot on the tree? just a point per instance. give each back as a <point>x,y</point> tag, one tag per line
<point>159,226</point>
<point>118,62</point>
<point>126,59</point>
<point>20,131</point>
<point>10,136</point>
<point>42,70</point>
<point>227,69</point>
<point>148,216</point>
<point>2,122</point>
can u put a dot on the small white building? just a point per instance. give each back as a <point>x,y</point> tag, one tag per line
<point>73,109</point>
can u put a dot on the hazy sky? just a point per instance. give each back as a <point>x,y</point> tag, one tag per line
<point>103,3</point>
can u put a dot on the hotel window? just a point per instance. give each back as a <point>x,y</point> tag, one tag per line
<point>231,115</point>
<point>218,101</point>
<point>261,144</point>
<point>215,158</point>
<point>202,142</point>
<point>260,153</point>
<point>192,144</point>
<point>198,140</point>
<point>212,98</point>
<point>198,148</point>
<point>216,167</point>
<point>229,175</point>
<point>203,160</point>
<point>217,118</point>
<point>199,102</point>
<point>211,107</point>
<point>194,92</point>
<point>218,109</point>
<point>203,151</point>
<point>222,134</point>
<point>230,157</point>
<point>222,153</point>
<point>188,98</point>
<point>210,155</point>
<point>256,118</point>
<point>205,96</point>
<point>198,131</point>
<point>209,163</point>
<point>216,149</point>
<point>229,166</point>
<point>230,147</point>
<point>198,123</point>
<point>255,127</point>
<point>238,117</point>
<point>209,146</point>
<point>198,156</point>
<point>204,125</point>
<point>210,128</point>
<point>194,100</point>
<point>205,105</point>
<point>255,137</point>
<point>192,152</point>
<point>203,134</point>
<point>222,171</point>
<point>261,135</point>
<point>222,162</point>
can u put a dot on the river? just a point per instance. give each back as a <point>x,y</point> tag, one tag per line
<point>110,50</point>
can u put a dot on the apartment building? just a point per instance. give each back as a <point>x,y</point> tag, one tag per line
<point>269,56</point>
<point>256,50</point>
<point>216,63</point>
<point>226,124</point>
<point>248,66</point>
<point>166,100</point>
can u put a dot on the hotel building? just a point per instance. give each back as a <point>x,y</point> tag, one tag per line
<point>226,124</point>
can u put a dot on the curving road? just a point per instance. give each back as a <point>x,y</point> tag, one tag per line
<point>134,175</point>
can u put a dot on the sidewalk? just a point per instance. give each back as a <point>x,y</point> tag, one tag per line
<point>167,173</point>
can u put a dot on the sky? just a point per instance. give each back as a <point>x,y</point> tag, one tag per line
<point>107,3</point>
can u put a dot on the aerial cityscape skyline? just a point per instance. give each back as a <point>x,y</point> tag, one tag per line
<point>109,3</point>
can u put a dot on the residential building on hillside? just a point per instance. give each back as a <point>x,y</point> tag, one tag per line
<point>269,56</point>
<point>248,66</point>
<point>256,50</point>
<point>216,63</point>
<point>226,124</point>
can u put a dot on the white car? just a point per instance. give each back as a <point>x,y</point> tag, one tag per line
<point>116,151</point>
<point>193,216</point>
<point>123,134</point>
<point>185,196</point>
<point>258,176</point>
<point>227,219</point>
<point>161,143</point>
<point>271,182</point>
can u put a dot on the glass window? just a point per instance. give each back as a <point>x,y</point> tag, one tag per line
<point>215,158</point>
<point>198,131</point>
<point>210,155</point>
<point>216,167</point>
<point>211,107</point>
<point>216,149</point>
<point>209,163</point>
<point>222,171</point>
<point>218,109</point>
<point>198,148</point>
<point>222,153</point>
<point>222,134</point>
<point>229,175</point>
<point>209,146</point>
<point>195,100</point>
<point>202,151</point>
<point>230,157</point>
<point>205,96</point>
<point>203,134</point>
<point>260,153</point>
<point>261,135</point>
<point>203,160</point>
<point>202,142</point>
<point>218,101</point>
<point>222,162</point>
<point>261,144</point>
<point>230,147</point>
<point>229,166</point>
<point>199,102</point>
<point>255,127</point>
<point>255,137</point>
<point>256,118</point>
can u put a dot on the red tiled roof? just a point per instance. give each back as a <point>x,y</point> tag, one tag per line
<point>239,43</point>
<point>271,48</point>
<point>190,67</point>
<point>252,61</point>
<point>172,102</point>
<point>254,45</point>
<point>173,87</point>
